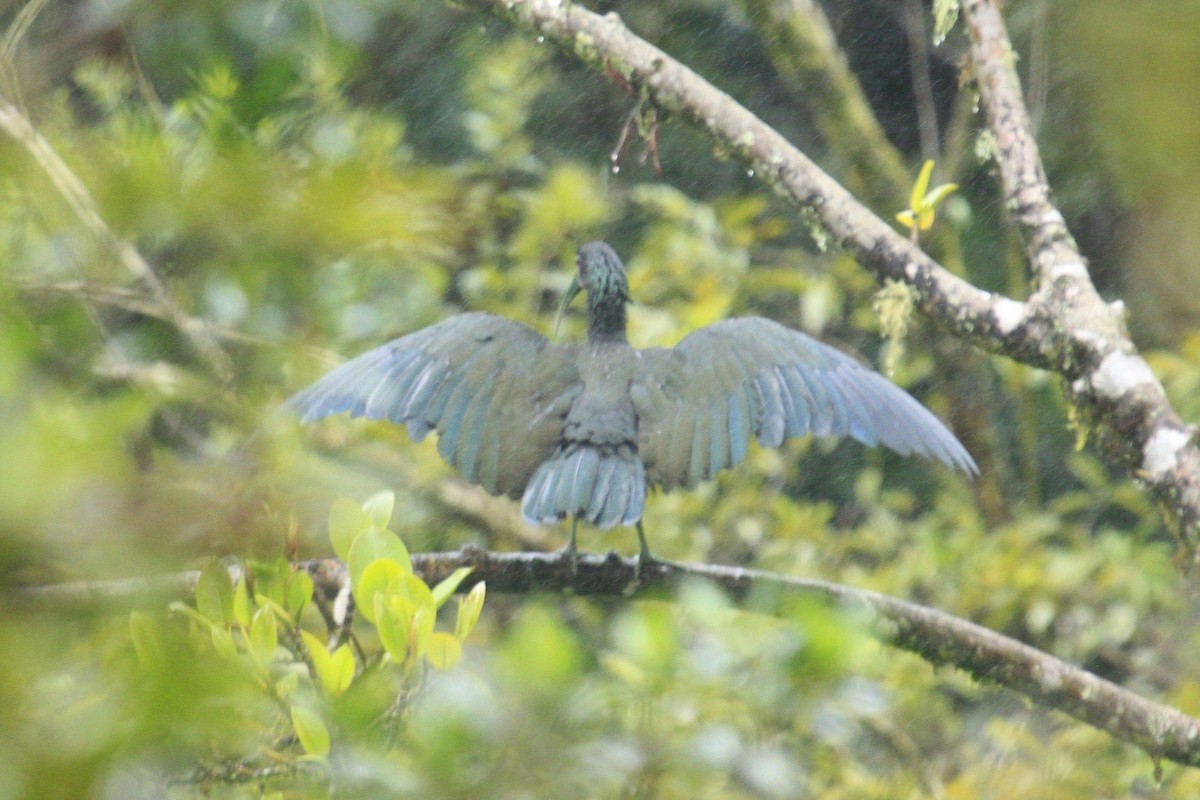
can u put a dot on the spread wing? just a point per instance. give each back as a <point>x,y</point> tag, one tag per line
<point>699,403</point>
<point>496,391</point>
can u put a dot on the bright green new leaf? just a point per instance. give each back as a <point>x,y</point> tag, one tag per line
<point>444,650</point>
<point>343,675</point>
<point>372,545</point>
<point>311,731</point>
<point>923,202</point>
<point>469,609</point>
<point>379,508</point>
<point>917,199</point>
<point>264,635</point>
<point>271,579</point>
<point>422,630</point>
<point>286,686</point>
<point>939,193</point>
<point>393,621</point>
<point>241,604</point>
<point>417,591</point>
<point>299,592</point>
<point>446,588</point>
<point>143,628</point>
<point>346,521</point>
<point>334,670</point>
<point>375,580</point>
<point>191,613</point>
<point>214,593</point>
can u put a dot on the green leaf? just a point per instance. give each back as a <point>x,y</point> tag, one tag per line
<point>939,194</point>
<point>311,731</point>
<point>393,621</point>
<point>264,636</point>
<point>191,613</point>
<point>444,650</point>
<point>143,628</point>
<point>372,545</point>
<point>343,675</point>
<point>287,685</point>
<point>445,589</point>
<point>418,592</point>
<point>917,199</point>
<point>346,521</point>
<point>379,508</point>
<point>241,604</point>
<point>469,609</point>
<point>334,670</point>
<point>375,580</point>
<point>271,578</point>
<point>223,643</point>
<point>214,592</point>
<point>422,630</point>
<point>299,592</point>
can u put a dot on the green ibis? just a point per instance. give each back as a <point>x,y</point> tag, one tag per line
<point>582,430</point>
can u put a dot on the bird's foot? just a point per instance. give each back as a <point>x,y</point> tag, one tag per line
<point>571,552</point>
<point>644,558</point>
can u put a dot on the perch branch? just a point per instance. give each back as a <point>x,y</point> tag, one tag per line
<point>940,638</point>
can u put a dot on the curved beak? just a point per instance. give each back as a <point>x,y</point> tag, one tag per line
<point>572,290</point>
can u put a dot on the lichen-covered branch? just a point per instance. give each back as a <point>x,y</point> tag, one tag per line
<point>1086,342</point>
<point>1064,327</point>
<point>938,637</point>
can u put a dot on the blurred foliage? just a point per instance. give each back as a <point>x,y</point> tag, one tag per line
<point>312,179</point>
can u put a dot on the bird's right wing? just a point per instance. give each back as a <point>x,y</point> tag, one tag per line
<point>699,403</point>
<point>496,392</point>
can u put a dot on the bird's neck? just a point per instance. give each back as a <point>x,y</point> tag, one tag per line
<point>606,319</point>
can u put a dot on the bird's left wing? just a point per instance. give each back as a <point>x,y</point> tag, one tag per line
<point>699,403</point>
<point>496,392</point>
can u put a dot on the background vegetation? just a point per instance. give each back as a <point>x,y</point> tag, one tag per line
<point>315,178</point>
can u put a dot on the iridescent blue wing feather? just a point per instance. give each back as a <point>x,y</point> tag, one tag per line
<point>699,403</point>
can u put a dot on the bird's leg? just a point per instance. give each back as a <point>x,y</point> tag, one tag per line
<point>644,556</point>
<point>571,551</point>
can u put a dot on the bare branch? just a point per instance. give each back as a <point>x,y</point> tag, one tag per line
<point>940,638</point>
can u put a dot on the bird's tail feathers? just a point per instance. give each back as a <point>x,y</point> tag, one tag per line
<point>604,487</point>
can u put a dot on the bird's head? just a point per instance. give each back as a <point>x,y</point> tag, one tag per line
<point>601,274</point>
